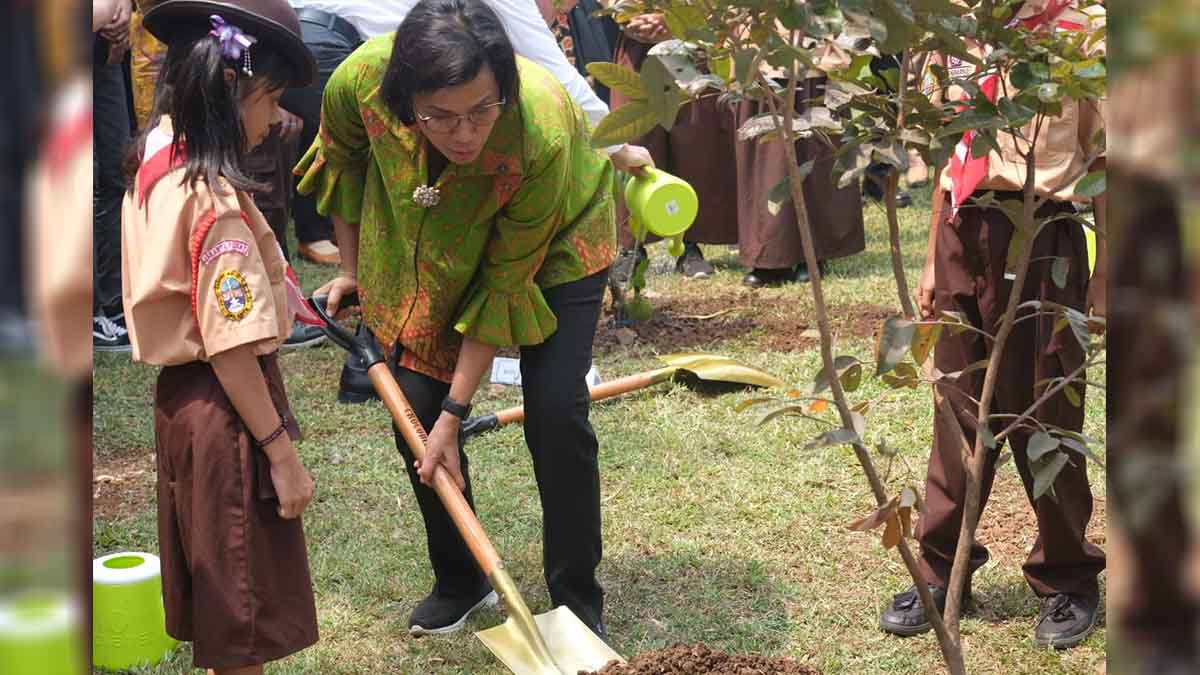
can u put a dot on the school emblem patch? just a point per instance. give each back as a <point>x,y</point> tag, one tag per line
<point>233,295</point>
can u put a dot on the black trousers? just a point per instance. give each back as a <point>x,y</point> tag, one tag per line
<point>564,451</point>
<point>329,38</point>
<point>110,138</point>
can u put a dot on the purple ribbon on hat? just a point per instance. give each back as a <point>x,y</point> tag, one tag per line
<point>233,40</point>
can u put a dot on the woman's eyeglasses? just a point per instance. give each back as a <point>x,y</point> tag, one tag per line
<point>481,116</point>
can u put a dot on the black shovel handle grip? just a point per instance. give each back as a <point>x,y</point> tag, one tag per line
<point>364,348</point>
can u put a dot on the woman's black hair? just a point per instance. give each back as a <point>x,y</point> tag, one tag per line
<point>203,109</point>
<point>445,43</point>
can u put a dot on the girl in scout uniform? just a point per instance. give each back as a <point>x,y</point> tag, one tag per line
<point>473,213</point>
<point>206,298</point>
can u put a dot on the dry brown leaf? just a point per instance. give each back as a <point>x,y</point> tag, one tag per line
<point>891,534</point>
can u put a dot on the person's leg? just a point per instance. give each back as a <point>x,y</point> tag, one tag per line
<point>564,448</point>
<point>111,139</point>
<point>330,48</point>
<point>458,582</point>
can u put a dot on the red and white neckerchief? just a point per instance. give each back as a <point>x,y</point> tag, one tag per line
<point>967,172</point>
<point>161,157</point>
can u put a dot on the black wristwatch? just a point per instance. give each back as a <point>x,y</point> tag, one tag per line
<point>455,408</point>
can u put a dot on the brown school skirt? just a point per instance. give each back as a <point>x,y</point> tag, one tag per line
<point>836,215</point>
<point>235,575</point>
<point>699,148</point>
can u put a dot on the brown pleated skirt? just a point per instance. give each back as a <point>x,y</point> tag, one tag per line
<point>235,575</point>
<point>699,148</point>
<point>836,216</point>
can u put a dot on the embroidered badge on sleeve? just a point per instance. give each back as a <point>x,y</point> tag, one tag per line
<point>233,295</point>
<point>226,246</point>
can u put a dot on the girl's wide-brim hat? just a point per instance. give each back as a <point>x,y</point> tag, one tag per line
<point>272,22</point>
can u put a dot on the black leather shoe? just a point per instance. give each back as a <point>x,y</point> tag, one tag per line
<point>1066,620</point>
<point>303,335</point>
<point>692,263</point>
<point>442,614</point>
<point>906,615</point>
<point>355,386</point>
<point>759,277</point>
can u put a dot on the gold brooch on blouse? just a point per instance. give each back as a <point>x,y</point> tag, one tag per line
<point>426,196</point>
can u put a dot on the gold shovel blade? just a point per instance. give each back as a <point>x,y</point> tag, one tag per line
<point>572,645</point>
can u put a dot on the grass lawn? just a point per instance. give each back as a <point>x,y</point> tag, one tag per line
<point>715,530</point>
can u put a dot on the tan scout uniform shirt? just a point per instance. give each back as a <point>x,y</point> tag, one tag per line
<point>201,270</point>
<point>1063,146</point>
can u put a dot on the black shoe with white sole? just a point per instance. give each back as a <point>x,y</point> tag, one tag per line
<point>443,614</point>
<point>303,335</point>
<point>109,334</point>
<point>1066,620</point>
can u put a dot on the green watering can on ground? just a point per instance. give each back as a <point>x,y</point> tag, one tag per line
<point>40,635</point>
<point>661,204</point>
<point>128,621</point>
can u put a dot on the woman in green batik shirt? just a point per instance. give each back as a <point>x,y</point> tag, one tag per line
<point>473,213</point>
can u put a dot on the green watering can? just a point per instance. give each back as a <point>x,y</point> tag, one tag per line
<point>39,635</point>
<point>661,204</point>
<point>128,621</point>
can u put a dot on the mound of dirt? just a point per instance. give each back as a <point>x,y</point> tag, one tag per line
<point>701,659</point>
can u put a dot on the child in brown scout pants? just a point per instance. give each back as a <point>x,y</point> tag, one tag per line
<point>206,296</point>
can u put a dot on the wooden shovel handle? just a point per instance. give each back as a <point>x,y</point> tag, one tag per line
<point>416,438</point>
<point>621,385</point>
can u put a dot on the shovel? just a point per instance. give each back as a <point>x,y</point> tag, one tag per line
<point>711,367</point>
<point>552,643</point>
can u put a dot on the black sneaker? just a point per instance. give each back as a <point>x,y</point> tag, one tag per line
<point>109,334</point>
<point>1066,620</point>
<point>692,263</point>
<point>906,615</point>
<point>627,260</point>
<point>440,614</point>
<point>760,277</point>
<point>303,335</point>
<point>803,276</point>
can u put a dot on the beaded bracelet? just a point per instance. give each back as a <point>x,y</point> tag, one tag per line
<point>274,434</point>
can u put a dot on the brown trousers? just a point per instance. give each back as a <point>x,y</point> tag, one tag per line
<point>699,148</point>
<point>969,271</point>
<point>1146,408</point>
<point>773,241</point>
<point>235,575</point>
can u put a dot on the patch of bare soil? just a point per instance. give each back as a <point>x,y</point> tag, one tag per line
<point>1008,526</point>
<point>683,323</point>
<point>123,484</point>
<point>700,659</point>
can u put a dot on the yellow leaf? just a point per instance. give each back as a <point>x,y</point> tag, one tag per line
<point>891,534</point>
<point>926,337</point>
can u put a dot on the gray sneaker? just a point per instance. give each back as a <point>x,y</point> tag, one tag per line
<point>692,263</point>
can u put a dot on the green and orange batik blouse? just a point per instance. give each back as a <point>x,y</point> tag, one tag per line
<point>533,211</point>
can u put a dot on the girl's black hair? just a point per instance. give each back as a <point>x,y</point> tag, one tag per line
<point>203,109</point>
<point>445,43</point>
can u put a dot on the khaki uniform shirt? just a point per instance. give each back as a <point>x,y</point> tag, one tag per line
<point>1063,147</point>
<point>201,270</point>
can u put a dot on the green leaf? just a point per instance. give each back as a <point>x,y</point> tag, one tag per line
<point>791,409</point>
<point>662,94</point>
<point>841,436</point>
<point>681,19</point>
<point>841,364</point>
<point>618,78</point>
<point>884,449</point>
<point>742,406</point>
<point>1049,92</point>
<point>1058,271</point>
<point>624,124</point>
<point>1092,185</point>
<point>1092,69</point>
<point>1046,472</point>
<point>1039,444</point>
<point>851,378</point>
<point>1082,448</point>
<point>1072,396</point>
<point>743,65</point>
<point>894,340</point>
<point>780,194</point>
